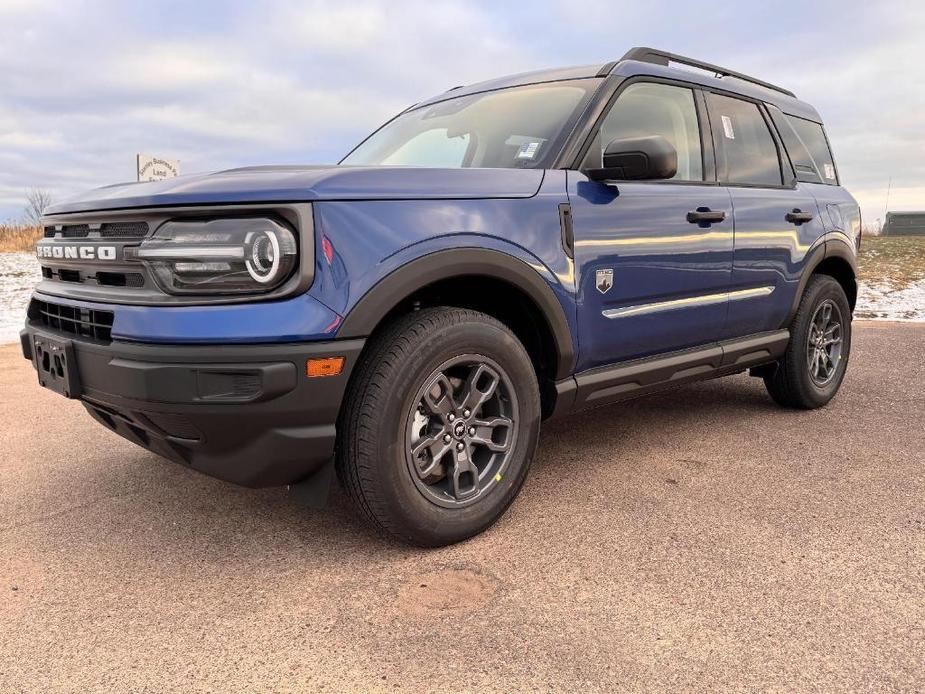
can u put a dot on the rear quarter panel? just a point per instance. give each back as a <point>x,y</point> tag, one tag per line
<point>840,213</point>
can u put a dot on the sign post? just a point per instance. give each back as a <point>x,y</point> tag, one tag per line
<point>156,169</point>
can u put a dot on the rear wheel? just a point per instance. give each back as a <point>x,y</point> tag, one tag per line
<point>813,367</point>
<point>440,426</point>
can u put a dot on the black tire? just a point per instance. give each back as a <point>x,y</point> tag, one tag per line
<point>386,403</point>
<point>794,382</point>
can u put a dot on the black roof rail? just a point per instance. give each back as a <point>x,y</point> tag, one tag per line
<point>606,68</point>
<point>657,57</point>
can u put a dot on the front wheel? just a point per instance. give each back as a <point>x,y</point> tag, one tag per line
<point>813,367</point>
<point>440,426</point>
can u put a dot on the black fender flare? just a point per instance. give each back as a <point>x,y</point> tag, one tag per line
<point>834,246</point>
<point>398,285</point>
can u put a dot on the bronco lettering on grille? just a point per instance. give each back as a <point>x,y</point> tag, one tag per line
<point>76,252</point>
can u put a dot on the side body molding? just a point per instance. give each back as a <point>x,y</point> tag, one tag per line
<point>458,262</point>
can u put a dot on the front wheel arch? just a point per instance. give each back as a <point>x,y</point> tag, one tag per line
<point>378,305</point>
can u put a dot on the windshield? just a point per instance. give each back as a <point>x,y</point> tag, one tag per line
<point>514,128</point>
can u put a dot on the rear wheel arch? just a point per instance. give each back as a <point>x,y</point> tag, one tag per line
<point>835,258</point>
<point>840,262</point>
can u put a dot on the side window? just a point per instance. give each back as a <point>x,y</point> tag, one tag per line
<point>803,164</point>
<point>644,109</point>
<point>746,151</point>
<point>813,137</point>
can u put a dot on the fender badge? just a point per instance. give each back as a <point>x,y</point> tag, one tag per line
<point>604,280</point>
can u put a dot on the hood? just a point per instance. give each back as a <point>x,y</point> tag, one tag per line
<point>268,184</point>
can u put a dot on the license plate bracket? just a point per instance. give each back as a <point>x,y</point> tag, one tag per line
<point>56,365</point>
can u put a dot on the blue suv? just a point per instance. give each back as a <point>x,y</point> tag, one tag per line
<point>497,255</point>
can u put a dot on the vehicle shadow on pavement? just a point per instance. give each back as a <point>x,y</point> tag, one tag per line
<point>167,503</point>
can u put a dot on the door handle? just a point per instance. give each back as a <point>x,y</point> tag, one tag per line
<point>704,216</point>
<point>798,217</point>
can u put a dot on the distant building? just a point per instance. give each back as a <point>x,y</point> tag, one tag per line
<point>904,224</point>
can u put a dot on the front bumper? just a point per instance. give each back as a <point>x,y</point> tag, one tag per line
<point>247,414</point>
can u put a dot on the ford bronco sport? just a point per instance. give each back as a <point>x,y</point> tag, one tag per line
<point>497,255</point>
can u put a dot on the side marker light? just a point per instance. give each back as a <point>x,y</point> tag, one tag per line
<point>329,366</point>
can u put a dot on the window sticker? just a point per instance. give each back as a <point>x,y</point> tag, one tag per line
<point>727,128</point>
<point>528,150</point>
<point>830,172</point>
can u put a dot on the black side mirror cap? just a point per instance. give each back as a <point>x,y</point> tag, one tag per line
<point>637,159</point>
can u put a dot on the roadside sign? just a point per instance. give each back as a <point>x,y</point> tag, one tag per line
<point>156,169</point>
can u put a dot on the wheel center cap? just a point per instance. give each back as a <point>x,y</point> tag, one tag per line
<point>459,429</point>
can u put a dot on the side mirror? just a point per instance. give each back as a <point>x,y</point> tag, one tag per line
<point>637,159</point>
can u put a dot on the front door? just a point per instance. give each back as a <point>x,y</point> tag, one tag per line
<point>653,259</point>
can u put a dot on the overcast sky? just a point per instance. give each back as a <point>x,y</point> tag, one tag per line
<point>86,85</point>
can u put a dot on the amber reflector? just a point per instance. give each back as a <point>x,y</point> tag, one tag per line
<point>329,366</point>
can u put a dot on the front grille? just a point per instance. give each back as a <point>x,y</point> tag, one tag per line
<point>120,279</point>
<point>107,230</point>
<point>73,320</point>
<point>69,275</point>
<point>103,279</point>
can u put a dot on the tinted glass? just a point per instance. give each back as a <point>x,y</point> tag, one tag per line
<point>645,109</point>
<point>813,138</point>
<point>434,148</point>
<point>802,161</point>
<point>519,127</point>
<point>746,150</point>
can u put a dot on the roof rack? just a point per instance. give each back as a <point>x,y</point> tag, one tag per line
<point>657,57</point>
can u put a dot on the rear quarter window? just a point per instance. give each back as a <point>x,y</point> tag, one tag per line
<point>803,165</point>
<point>813,138</point>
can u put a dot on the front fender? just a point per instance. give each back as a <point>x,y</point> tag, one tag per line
<point>373,254</point>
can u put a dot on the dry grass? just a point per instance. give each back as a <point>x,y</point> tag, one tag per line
<point>14,237</point>
<point>896,260</point>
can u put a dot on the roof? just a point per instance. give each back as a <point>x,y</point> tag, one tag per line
<point>519,80</point>
<point>648,61</point>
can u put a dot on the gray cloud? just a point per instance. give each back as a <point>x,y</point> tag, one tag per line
<point>84,86</point>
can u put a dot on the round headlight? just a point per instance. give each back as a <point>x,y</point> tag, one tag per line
<point>262,253</point>
<point>236,255</point>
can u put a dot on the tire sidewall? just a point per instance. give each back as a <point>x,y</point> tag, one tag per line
<point>412,512</point>
<point>821,289</point>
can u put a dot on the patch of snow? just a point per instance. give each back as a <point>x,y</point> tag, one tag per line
<point>19,273</point>
<point>881,301</point>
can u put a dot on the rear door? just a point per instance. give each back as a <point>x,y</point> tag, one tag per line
<point>652,269</point>
<point>777,220</point>
<point>808,148</point>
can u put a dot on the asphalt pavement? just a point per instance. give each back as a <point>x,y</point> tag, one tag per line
<point>702,539</point>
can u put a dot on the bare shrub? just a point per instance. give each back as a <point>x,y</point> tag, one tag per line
<point>37,199</point>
